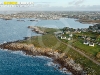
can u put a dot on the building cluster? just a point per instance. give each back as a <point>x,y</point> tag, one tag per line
<point>70,34</point>
<point>80,16</point>
<point>88,41</point>
<point>95,28</point>
<point>85,15</point>
<point>38,15</point>
<point>64,36</point>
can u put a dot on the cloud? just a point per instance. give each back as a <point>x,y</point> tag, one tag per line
<point>76,2</point>
<point>84,8</point>
<point>42,5</point>
<point>47,7</point>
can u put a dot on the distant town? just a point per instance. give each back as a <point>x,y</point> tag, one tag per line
<point>84,17</point>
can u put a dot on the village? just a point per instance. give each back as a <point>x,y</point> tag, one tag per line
<point>85,34</point>
<point>86,40</point>
<point>83,17</point>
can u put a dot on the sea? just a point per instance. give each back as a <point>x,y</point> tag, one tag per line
<point>16,62</point>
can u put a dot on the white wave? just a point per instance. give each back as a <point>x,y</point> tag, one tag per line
<point>50,64</point>
<point>43,57</point>
<point>4,49</point>
<point>19,52</point>
<point>4,42</point>
<point>65,71</point>
<point>57,66</point>
<point>16,52</point>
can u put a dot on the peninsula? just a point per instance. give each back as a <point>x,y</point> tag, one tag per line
<point>57,49</point>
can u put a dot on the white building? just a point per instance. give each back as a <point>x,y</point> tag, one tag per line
<point>69,39</point>
<point>63,37</point>
<point>71,35</point>
<point>91,44</point>
<point>86,42</point>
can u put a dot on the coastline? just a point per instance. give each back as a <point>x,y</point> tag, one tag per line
<point>88,21</point>
<point>60,58</point>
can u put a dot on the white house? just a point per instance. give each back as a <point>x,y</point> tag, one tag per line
<point>91,44</point>
<point>63,37</point>
<point>71,35</point>
<point>99,44</point>
<point>69,38</point>
<point>86,42</point>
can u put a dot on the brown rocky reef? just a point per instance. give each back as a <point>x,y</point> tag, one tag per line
<point>58,57</point>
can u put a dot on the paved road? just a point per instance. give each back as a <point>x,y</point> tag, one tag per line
<point>96,62</point>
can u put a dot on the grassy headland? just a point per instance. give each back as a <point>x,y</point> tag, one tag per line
<point>50,41</point>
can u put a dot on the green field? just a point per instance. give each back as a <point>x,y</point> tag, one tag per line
<point>87,49</point>
<point>50,41</point>
<point>91,51</point>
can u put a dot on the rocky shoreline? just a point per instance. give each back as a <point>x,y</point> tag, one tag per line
<point>36,29</point>
<point>61,58</point>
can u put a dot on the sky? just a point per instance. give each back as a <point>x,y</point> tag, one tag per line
<point>56,5</point>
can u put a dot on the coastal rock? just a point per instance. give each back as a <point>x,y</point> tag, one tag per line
<point>57,56</point>
<point>36,29</point>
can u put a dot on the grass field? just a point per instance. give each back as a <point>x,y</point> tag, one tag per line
<point>49,40</point>
<point>91,51</point>
<point>87,49</point>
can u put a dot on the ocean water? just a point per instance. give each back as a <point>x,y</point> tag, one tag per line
<point>63,22</point>
<point>16,62</point>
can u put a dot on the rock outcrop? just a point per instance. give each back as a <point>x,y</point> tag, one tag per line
<point>65,62</point>
<point>36,29</point>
